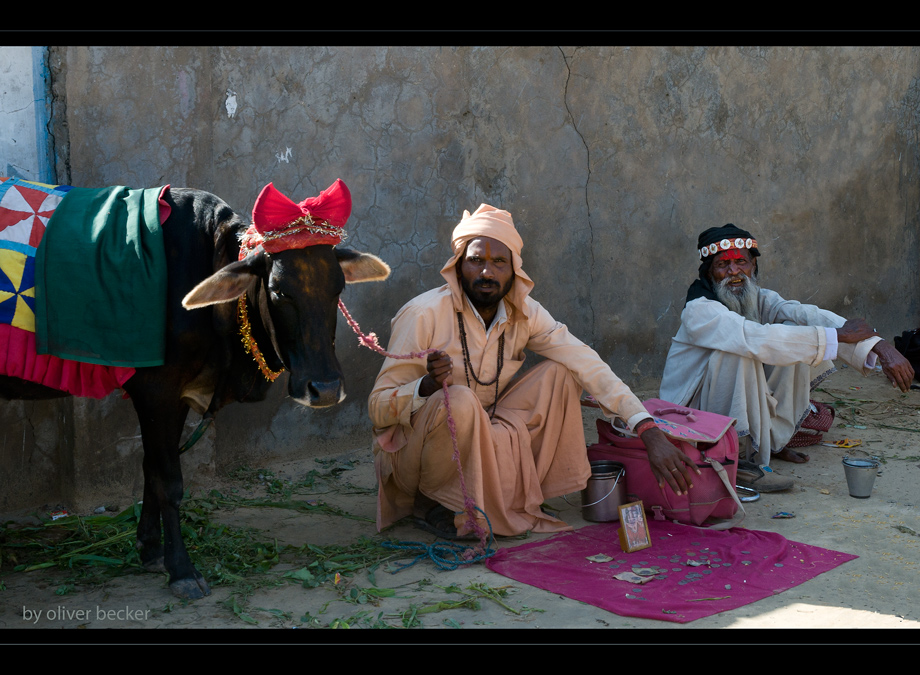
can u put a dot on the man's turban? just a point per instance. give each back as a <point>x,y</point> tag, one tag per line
<point>718,239</point>
<point>486,221</point>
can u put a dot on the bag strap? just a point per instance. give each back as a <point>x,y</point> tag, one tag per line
<point>677,410</point>
<point>738,518</point>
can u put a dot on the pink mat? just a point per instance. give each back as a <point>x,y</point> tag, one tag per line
<point>740,567</point>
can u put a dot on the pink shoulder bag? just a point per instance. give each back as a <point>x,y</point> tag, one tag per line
<point>708,439</point>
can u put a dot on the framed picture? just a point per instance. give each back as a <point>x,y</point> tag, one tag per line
<point>634,531</point>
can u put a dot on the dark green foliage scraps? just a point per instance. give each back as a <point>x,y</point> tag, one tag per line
<point>325,562</point>
<point>101,546</point>
<point>223,553</point>
<point>91,546</point>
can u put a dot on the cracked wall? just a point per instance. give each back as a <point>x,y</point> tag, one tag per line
<point>611,159</point>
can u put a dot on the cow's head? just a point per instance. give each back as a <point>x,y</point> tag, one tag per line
<point>292,298</point>
<point>292,274</point>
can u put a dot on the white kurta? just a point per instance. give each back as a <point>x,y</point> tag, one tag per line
<point>759,373</point>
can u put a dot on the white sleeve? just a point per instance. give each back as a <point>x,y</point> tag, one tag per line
<point>830,352</point>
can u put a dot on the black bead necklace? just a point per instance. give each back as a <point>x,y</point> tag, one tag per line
<point>468,366</point>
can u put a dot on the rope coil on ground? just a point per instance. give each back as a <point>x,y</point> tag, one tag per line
<point>446,555</point>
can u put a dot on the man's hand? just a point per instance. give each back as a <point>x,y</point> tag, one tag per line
<point>855,330</point>
<point>440,368</point>
<point>896,368</point>
<point>668,463</point>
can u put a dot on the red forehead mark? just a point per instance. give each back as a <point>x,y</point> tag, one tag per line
<point>730,254</point>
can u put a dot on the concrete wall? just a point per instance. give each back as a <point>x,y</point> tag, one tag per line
<point>611,160</point>
<point>24,111</point>
<point>36,438</point>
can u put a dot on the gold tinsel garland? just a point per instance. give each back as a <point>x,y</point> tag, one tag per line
<point>249,342</point>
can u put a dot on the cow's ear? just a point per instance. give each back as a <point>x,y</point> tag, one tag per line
<point>359,266</point>
<point>226,284</point>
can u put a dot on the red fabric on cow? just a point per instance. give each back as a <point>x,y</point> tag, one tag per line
<point>278,224</point>
<point>18,358</point>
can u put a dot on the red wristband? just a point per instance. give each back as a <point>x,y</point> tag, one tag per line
<point>644,425</point>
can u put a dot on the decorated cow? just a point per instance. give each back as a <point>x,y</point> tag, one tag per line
<point>191,308</point>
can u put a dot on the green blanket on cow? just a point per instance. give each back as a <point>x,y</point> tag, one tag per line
<point>100,279</point>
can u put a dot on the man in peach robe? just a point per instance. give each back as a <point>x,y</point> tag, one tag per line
<point>521,439</point>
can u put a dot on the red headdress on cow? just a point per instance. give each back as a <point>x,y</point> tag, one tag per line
<point>279,224</point>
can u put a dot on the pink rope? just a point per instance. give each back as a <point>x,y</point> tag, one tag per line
<point>370,341</point>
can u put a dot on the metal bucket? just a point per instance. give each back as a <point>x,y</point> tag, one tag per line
<point>860,475</point>
<point>605,492</point>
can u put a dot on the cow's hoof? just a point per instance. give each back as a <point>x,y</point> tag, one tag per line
<point>156,565</point>
<point>190,589</point>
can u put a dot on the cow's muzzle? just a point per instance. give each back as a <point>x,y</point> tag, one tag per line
<point>322,394</point>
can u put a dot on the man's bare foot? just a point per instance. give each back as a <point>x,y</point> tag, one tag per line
<point>790,455</point>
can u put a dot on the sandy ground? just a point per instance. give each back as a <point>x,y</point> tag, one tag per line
<point>879,590</point>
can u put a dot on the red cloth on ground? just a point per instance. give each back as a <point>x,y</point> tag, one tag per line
<point>741,567</point>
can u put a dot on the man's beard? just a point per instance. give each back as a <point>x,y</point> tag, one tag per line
<point>745,302</point>
<point>479,301</point>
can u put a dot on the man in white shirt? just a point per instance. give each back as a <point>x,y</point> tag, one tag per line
<point>745,352</point>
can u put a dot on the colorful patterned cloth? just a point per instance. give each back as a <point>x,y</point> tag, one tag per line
<point>25,209</point>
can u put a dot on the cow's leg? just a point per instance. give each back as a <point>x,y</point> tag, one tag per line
<point>161,428</point>
<point>149,535</point>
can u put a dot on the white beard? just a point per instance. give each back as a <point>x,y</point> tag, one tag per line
<point>744,303</point>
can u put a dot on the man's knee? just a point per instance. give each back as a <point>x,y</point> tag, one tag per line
<point>719,361</point>
<point>552,371</point>
<point>437,437</point>
<point>464,406</point>
<point>730,372</point>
